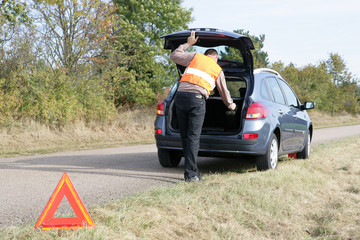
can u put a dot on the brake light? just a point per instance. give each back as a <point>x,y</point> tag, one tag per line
<point>257,111</point>
<point>158,131</point>
<point>250,136</point>
<point>160,109</point>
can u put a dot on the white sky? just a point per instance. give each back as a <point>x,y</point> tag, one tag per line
<point>301,32</point>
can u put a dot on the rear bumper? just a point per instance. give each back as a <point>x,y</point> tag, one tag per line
<point>212,144</point>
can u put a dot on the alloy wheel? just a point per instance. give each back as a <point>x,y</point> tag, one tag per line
<point>273,154</point>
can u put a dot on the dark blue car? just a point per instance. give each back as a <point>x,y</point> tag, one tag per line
<point>269,120</point>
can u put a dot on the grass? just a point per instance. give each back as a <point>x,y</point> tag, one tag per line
<point>317,198</point>
<point>30,137</point>
<point>131,127</point>
<point>324,120</point>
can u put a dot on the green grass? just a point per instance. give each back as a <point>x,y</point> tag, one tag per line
<point>317,198</point>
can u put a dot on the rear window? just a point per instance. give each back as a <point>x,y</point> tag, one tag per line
<point>236,88</point>
<point>225,52</point>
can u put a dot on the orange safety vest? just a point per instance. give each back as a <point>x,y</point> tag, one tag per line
<point>202,71</point>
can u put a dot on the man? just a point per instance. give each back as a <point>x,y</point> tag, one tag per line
<point>199,79</point>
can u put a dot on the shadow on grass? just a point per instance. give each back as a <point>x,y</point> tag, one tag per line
<point>241,164</point>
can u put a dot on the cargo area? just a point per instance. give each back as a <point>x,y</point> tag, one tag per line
<point>219,119</point>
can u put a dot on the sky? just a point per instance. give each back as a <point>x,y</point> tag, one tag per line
<point>299,32</point>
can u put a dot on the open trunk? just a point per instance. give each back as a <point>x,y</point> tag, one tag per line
<point>218,118</point>
<point>237,69</point>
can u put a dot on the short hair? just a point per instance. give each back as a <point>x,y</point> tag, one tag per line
<point>211,52</point>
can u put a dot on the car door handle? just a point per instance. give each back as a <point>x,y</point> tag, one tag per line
<point>295,116</point>
<point>281,112</point>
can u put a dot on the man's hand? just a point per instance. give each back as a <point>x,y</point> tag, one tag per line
<point>232,106</point>
<point>192,40</point>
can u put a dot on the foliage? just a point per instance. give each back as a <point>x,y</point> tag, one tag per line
<point>142,22</point>
<point>62,60</point>
<point>329,84</point>
<point>66,60</point>
<point>31,89</point>
<point>49,96</point>
<point>72,31</point>
<point>14,12</point>
<point>260,57</point>
<point>154,18</point>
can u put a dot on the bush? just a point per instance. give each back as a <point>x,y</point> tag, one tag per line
<point>52,97</point>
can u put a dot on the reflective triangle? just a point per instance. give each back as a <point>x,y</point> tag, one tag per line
<point>64,188</point>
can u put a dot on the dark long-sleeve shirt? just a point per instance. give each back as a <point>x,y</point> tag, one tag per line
<point>179,56</point>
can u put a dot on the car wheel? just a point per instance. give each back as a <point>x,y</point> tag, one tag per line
<point>305,153</point>
<point>169,158</point>
<point>270,159</point>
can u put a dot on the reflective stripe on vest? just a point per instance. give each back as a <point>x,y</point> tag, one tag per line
<point>201,74</point>
<point>202,71</point>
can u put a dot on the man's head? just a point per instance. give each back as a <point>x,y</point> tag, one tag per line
<point>212,53</point>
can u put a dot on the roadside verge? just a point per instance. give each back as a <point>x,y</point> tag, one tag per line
<point>317,198</point>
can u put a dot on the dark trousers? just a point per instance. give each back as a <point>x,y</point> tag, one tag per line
<point>190,111</point>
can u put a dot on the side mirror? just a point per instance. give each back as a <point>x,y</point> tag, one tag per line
<point>308,105</point>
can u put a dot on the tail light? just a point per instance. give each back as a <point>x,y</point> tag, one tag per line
<point>158,131</point>
<point>257,111</point>
<point>160,109</point>
<point>250,136</point>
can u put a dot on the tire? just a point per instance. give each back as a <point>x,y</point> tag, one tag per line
<point>305,153</point>
<point>169,158</point>
<point>271,158</point>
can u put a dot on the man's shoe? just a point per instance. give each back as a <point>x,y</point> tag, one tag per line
<point>192,179</point>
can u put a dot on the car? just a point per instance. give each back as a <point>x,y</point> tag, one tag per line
<point>269,120</point>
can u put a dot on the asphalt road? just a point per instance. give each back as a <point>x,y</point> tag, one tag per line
<point>26,183</point>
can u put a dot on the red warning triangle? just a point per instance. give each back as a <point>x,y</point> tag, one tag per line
<point>82,219</point>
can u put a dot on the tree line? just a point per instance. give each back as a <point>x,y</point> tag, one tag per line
<point>63,60</point>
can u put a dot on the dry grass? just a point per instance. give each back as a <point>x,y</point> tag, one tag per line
<point>317,198</point>
<point>29,137</point>
<point>131,127</point>
<point>323,120</point>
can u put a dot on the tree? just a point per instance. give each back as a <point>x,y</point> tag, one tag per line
<point>133,62</point>
<point>344,81</point>
<point>12,14</point>
<point>154,18</point>
<point>328,83</point>
<point>141,24</point>
<point>336,66</point>
<point>260,57</point>
<point>73,31</point>
<point>14,11</point>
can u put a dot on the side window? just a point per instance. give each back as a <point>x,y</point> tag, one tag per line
<point>264,91</point>
<point>289,94</point>
<point>275,88</point>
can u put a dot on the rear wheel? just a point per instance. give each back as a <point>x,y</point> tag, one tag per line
<point>270,159</point>
<point>305,153</point>
<point>169,158</point>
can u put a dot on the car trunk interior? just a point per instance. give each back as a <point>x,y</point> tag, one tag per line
<point>219,119</point>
